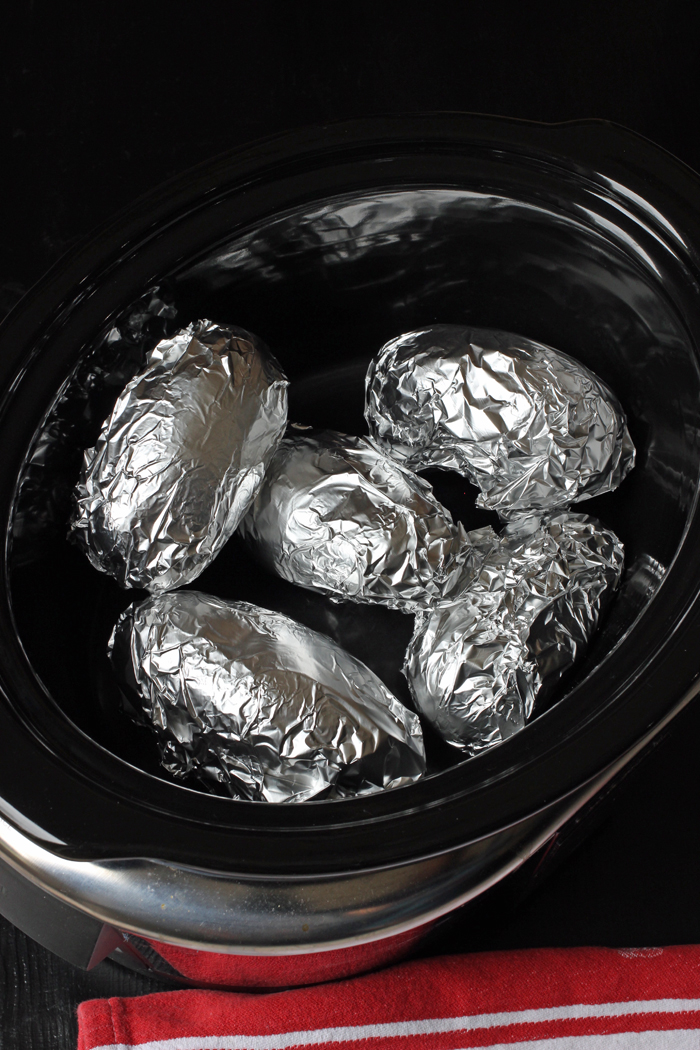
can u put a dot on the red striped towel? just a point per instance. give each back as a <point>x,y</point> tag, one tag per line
<point>540,999</point>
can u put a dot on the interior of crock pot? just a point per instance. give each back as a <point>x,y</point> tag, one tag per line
<point>325,285</point>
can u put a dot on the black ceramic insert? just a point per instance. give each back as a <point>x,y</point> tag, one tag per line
<point>326,244</point>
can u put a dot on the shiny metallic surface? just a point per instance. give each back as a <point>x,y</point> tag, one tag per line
<point>530,426</point>
<point>249,700</point>
<point>476,666</point>
<point>180,458</point>
<point>335,514</point>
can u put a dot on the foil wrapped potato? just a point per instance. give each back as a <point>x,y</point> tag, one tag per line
<point>476,666</point>
<point>532,427</point>
<point>179,460</point>
<point>251,702</point>
<point>336,515</point>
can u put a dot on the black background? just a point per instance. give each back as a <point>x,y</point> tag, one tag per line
<point>100,102</point>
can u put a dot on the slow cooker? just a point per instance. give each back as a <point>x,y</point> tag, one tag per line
<point>327,242</point>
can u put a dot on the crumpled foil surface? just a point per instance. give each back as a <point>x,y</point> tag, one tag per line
<point>530,426</point>
<point>336,515</point>
<point>250,700</point>
<point>180,458</point>
<point>475,666</point>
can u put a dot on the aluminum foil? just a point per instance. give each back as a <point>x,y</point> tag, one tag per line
<point>476,666</point>
<point>180,458</point>
<point>337,515</point>
<point>250,701</point>
<point>530,426</point>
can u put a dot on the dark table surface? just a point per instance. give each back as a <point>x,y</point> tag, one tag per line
<point>102,102</point>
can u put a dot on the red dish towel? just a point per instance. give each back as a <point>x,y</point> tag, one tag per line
<point>540,999</point>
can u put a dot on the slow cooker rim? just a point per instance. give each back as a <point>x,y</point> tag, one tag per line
<point>20,314</point>
<point>429,125</point>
